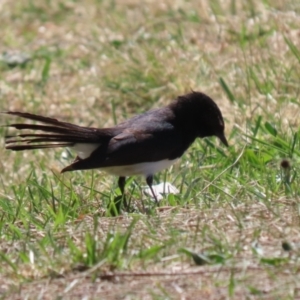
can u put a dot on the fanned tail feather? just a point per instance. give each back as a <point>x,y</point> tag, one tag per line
<point>32,147</point>
<point>59,134</point>
<point>42,119</point>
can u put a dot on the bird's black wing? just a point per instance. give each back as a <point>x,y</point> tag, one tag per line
<point>145,138</point>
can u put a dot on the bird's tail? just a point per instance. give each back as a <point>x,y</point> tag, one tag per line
<point>55,134</point>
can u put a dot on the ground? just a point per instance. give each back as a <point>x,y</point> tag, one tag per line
<point>232,232</point>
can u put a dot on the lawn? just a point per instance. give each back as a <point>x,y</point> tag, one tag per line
<point>233,230</point>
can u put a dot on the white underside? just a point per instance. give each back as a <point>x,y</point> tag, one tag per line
<point>85,150</point>
<point>145,168</point>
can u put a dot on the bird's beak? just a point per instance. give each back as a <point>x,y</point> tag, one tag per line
<point>223,139</point>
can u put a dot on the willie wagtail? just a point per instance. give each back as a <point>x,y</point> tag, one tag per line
<point>142,145</point>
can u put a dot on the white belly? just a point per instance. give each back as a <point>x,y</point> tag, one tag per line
<point>146,168</point>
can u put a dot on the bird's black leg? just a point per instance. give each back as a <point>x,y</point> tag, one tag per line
<point>121,183</point>
<point>149,180</point>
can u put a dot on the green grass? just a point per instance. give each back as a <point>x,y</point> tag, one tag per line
<point>233,230</point>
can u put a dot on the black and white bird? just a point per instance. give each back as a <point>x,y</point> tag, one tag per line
<point>142,145</point>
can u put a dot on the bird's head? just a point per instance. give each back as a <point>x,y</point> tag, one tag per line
<point>200,115</point>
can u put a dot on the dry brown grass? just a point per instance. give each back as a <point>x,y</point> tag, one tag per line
<point>173,276</point>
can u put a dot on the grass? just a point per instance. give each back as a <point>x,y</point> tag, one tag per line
<point>233,231</point>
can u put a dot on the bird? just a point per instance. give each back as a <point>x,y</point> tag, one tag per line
<point>142,145</point>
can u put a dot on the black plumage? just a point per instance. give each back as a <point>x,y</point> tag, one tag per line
<point>162,134</point>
